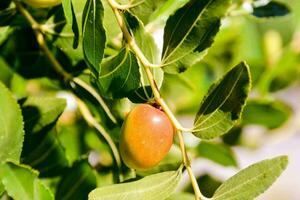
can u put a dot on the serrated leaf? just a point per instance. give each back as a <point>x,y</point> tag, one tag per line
<point>71,19</point>
<point>218,153</point>
<point>77,182</point>
<point>271,9</point>
<point>222,106</point>
<point>93,33</point>
<point>11,126</point>
<point>270,114</point>
<point>190,31</point>
<point>120,75</point>
<point>22,183</point>
<point>251,181</point>
<point>40,112</point>
<point>153,187</point>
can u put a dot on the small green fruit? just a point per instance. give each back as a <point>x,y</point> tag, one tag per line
<point>146,137</point>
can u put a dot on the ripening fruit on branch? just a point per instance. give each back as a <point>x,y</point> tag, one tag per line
<point>42,3</point>
<point>146,137</point>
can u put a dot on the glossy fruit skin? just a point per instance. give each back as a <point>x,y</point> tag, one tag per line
<point>42,3</point>
<point>146,137</point>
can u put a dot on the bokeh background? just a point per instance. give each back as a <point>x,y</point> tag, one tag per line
<point>270,125</point>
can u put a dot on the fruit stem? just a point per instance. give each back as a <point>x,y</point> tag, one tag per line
<point>159,100</point>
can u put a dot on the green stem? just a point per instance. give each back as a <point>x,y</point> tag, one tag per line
<point>147,67</point>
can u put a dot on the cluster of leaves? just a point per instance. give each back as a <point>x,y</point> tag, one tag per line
<point>40,157</point>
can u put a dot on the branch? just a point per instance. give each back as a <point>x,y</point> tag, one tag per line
<point>147,66</point>
<point>41,41</point>
<point>38,31</point>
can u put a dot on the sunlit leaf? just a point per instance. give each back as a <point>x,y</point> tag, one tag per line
<point>153,187</point>
<point>222,106</point>
<point>22,183</point>
<point>190,31</point>
<point>11,126</point>
<point>251,181</point>
<point>181,196</point>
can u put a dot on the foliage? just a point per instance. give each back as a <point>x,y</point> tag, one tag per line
<point>70,73</point>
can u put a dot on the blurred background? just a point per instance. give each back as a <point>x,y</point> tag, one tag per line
<point>270,124</point>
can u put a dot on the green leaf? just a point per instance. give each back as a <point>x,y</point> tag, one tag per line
<point>161,14</point>
<point>252,181</point>
<point>145,8</point>
<point>63,33</point>
<point>222,106</point>
<point>22,183</point>
<point>93,32</point>
<point>153,187</point>
<point>181,196</point>
<point>77,182</point>
<point>270,114</point>
<point>190,31</point>
<point>40,112</point>
<point>271,9</point>
<point>120,75</point>
<point>11,126</point>
<point>71,19</point>
<point>147,45</point>
<point>218,153</point>
<point>43,152</point>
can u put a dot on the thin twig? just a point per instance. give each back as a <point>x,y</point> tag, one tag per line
<point>88,88</point>
<point>41,41</point>
<point>38,30</point>
<point>89,118</point>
